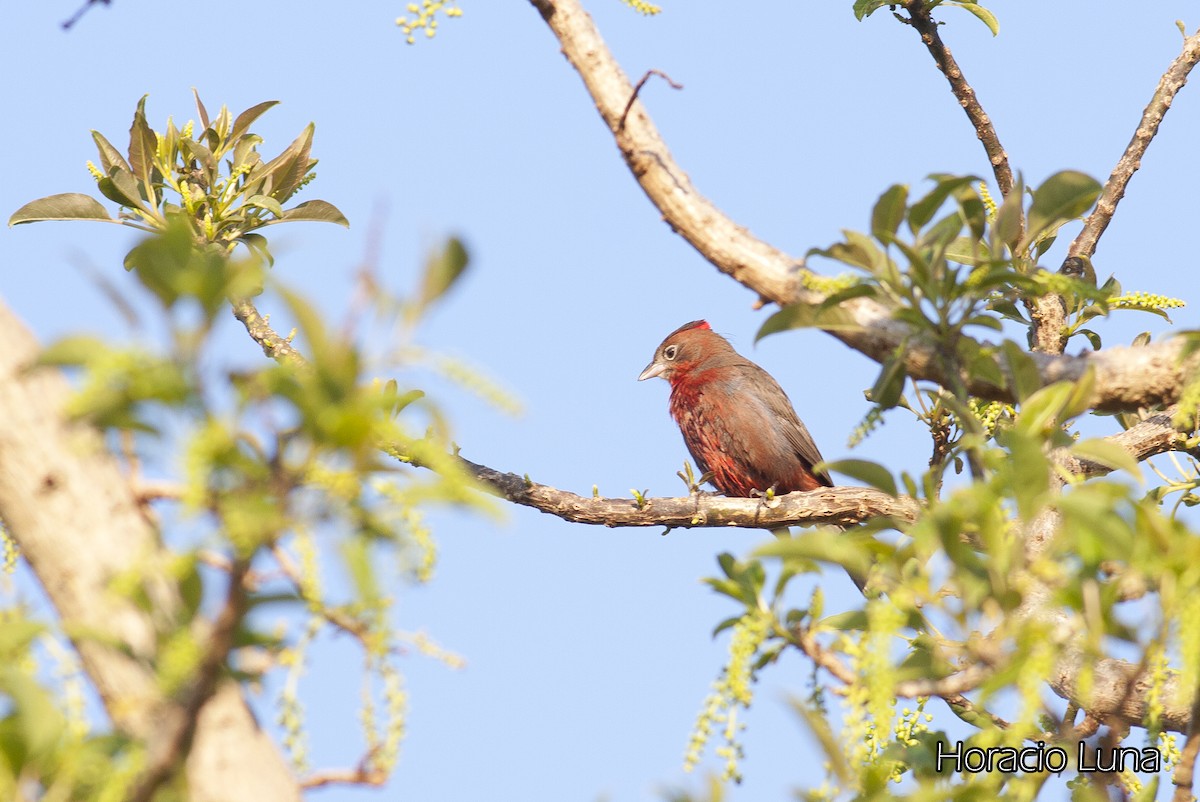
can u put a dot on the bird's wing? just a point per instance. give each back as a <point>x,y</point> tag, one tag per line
<point>793,428</point>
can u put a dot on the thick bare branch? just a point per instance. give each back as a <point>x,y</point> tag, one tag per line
<point>79,525</point>
<point>1118,690</point>
<point>1170,83</point>
<point>1154,435</point>
<point>923,23</point>
<point>1126,378</point>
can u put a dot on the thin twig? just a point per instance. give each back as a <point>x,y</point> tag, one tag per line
<point>153,490</point>
<point>78,15</point>
<point>971,713</point>
<point>343,621</point>
<point>362,774</point>
<point>1114,189</point>
<point>952,686</point>
<point>274,346</point>
<point>923,23</point>
<point>637,88</point>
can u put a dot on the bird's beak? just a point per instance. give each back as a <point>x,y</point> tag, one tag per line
<point>653,369</point>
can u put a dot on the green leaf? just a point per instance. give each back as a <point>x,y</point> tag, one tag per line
<point>890,384</point>
<point>1061,197</point>
<point>986,321</point>
<point>967,251</point>
<point>40,725</point>
<point>923,210</point>
<point>831,746</point>
<point>289,168</point>
<point>317,211</point>
<point>1030,471</point>
<point>803,315</point>
<point>863,470</point>
<point>442,270</point>
<point>143,146</point>
<point>121,187</point>
<point>67,206</point>
<point>889,212</point>
<point>266,202</point>
<point>830,547</point>
<point>943,232</point>
<point>865,8</point>
<point>192,149</point>
<point>852,620</point>
<point>1043,409</point>
<point>985,16</point>
<point>1010,217</point>
<point>72,351</point>
<point>109,156</point>
<point>201,112</point>
<point>1080,399</point>
<point>858,250</point>
<point>1092,337</point>
<point>1107,453</point>
<point>247,118</point>
<point>1022,369</point>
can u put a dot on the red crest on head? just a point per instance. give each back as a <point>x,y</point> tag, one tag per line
<point>695,324</point>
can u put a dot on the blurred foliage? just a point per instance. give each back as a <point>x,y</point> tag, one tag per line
<point>284,468</point>
<point>953,588</point>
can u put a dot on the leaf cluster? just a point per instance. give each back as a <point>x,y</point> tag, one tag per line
<point>210,175</point>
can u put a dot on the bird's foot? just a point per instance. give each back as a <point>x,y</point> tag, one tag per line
<point>768,497</point>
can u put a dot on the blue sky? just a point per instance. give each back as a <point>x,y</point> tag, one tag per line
<point>588,649</point>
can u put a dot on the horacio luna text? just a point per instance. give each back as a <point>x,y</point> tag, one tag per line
<point>1038,758</point>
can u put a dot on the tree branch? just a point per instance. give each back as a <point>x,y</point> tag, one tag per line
<point>1126,378</point>
<point>1117,690</point>
<point>276,347</point>
<point>175,742</point>
<point>1114,189</point>
<point>79,524</point>
<point>1154,435</point>
<point>835,506</point>
<point>923,23</point>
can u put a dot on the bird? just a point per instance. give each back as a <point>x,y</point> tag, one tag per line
<point>737,422</point>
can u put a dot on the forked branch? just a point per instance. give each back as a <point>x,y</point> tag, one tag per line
<point>1126,379</point>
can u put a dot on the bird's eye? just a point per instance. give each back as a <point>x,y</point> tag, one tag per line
<point>670,352</point>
